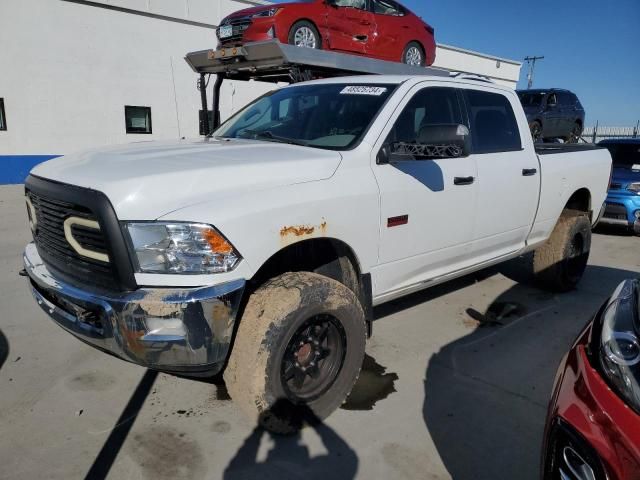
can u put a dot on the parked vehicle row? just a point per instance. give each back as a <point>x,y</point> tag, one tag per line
<point>382,29</point>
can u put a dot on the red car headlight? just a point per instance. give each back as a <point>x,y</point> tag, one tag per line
<point>619,348</point>
<point>272,12</point>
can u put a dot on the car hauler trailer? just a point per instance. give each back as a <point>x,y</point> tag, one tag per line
<point>274,62</point>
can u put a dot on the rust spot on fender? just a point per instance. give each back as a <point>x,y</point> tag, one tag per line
<point>297,230</point>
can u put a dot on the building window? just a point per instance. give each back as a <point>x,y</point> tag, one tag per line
<point>3,119</point>
<point>137,119</point>
<point>201,120</point>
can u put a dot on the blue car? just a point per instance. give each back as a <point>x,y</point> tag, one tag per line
<point>623,201</point>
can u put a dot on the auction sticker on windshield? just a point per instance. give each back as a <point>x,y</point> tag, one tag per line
<point>363,90</point>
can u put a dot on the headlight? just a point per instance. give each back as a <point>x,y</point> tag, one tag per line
<point>185,248</point>
<point>266,13</point>
<point>620,343</point>
<point>634,187</point>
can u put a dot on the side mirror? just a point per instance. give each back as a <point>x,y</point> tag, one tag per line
<point>331,3</point>
<point>436,141</point>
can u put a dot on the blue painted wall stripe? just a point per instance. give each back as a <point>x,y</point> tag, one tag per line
<point>15,168</point>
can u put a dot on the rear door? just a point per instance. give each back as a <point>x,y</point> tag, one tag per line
<point>392,27</point>
<point>552,115</point>
<point>350,25</point>
<point>508,174</point>
<point>427,206</point>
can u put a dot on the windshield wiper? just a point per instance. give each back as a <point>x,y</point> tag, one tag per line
<point>267,135</point>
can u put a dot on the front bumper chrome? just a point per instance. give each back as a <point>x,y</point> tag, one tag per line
<point>182,330</point>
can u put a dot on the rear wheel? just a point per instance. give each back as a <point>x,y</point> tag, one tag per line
<point>413,54</point>
<point>305,34</point>
<point>558,265</point>
<point>536,131</point>
<point>298,350</point>
<point>575,134</point>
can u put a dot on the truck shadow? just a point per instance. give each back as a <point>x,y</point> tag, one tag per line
<point>290,458</point>
<point>4,349</point>
<point>486,394</point>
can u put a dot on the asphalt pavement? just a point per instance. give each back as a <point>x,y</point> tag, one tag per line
<point>455,385</point>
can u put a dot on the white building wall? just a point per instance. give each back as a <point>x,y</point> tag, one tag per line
<point>67,70</point>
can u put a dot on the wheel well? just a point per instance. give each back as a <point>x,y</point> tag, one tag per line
<point>424,52</point>
<point>580,201</point>
<point>310,256</point>
<point>305,20</point>
<point>326,256</point>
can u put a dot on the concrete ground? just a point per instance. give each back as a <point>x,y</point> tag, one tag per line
<point>442,395</point>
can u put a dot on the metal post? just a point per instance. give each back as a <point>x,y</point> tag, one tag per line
<point>595,133</point>
<point>216,100</point>
<point>202,86</point>
<point>532,66</point>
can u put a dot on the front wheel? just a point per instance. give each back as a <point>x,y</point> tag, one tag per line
<point>299,348</point>
<point>413,54</point>
<point>305,34</point>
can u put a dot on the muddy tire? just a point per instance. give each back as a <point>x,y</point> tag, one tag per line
<point>298,351</point>
<point>559,264</point>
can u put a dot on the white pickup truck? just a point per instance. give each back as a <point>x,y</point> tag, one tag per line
<point>261,250</point>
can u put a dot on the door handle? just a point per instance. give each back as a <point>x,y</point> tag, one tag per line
<point>463,180</point>
<point>365,22</point>
<point>529,172</point>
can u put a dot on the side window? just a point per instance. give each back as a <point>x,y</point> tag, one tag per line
<point>564,98</point>
<point>552,99</point>
<point>493,124</point>
<point>359,4</point>
<point>429,107</point>
<point>137,119</point>
<point>387,7</point>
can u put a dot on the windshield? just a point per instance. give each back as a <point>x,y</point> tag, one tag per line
<point>531,99</point>
<point>330,116</point>
<point>625,155</point>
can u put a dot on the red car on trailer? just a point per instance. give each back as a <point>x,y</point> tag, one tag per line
<point>381,29</point>
<point>593,427</point>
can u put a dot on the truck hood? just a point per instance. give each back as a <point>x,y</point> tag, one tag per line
<point>149,179</point>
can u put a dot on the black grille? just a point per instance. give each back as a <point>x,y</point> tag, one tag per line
<point>55,249</point>
<point>239,26</point>
<point>615,211</point>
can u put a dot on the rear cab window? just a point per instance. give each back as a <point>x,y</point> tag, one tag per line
<point>494,127</point>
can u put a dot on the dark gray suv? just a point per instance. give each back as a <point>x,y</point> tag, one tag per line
<point>553,113</point>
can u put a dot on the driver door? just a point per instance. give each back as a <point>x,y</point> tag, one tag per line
<point>350,25</point>
<point>427,207</point>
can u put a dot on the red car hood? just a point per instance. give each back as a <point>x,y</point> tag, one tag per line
<point>262,8</point>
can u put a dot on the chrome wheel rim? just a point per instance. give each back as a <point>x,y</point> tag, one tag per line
<point>304,37</point>
<point>413,56</point>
